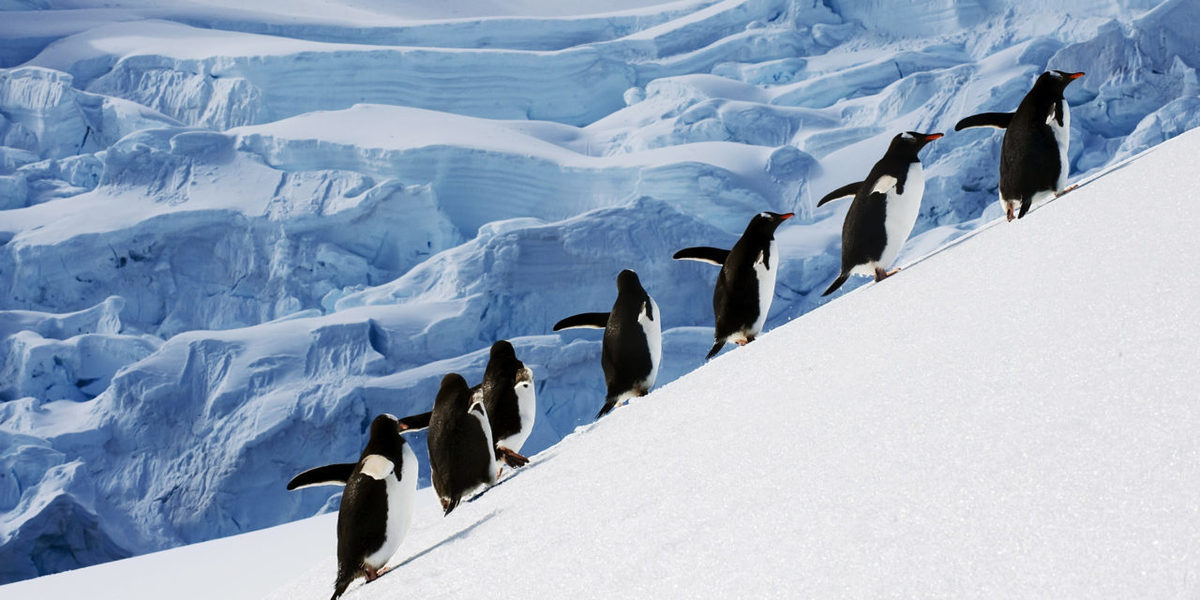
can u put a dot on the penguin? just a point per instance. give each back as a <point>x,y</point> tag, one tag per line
<point>461,450</point>
<point>632,347</point>
<point>377,504</point>
<point>884,209</point>
<point>1033,155</point>
<point>746,284</point>
<point>508,396</point>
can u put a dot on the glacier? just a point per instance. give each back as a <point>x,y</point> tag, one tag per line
<point>230,236</point>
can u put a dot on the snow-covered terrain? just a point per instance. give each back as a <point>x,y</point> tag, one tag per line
<point>1013,417</point>
<point>232,235</point>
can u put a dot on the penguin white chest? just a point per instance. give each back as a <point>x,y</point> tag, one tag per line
<point>526,408</point>
<point>652,328</point>
<point>765,271</point>
<point>1062,137</point>
<point>401,491</point>
<point>900,213</point>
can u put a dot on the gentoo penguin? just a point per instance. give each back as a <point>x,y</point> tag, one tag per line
<point>746,283</point>
<point>884,209</point>
<point>508,396</point>
<point>1033,156</point>
<point>632,345</point>
<point>461,451</point>
<point>377,504</point>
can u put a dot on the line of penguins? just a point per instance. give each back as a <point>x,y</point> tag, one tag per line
<point>474,432</point>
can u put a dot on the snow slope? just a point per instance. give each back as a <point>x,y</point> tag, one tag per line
<point>1014,416</point>
<point>230,235</point>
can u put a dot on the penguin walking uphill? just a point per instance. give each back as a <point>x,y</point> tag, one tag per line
<point>461,450</point>
<point>1033,155</point>
<point>377,504</point>
<point>632,347</point>
<point>509,400</point>
<point>884,209</point>
<point>508,396</point>
<point>746,284</point>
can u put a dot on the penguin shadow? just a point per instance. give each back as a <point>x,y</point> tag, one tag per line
<point>462,533</point>
<point>512,474</point>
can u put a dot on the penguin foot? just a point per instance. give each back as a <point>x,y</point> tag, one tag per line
<point>880,274</point>
<point>1008,212</point>
<point>511,458</point>
<point>1066,190</point>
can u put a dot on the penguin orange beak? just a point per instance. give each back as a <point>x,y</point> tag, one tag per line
<point>786,216</point>
<point>933,136</point>
<point>1074,75</point>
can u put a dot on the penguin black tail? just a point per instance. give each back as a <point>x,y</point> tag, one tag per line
<point>715,349</point>
<point>608,406</point>
<point>344,577</point>
<point>837,283</point>
<point>1026,202</point>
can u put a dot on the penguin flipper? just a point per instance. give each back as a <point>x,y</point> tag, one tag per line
<point>337,474</point>
<point>415,423</point>
<point>583,321</point>
<point>845,191</point>
<point>998,120</point>
<point>705,254</point>
<point>837,283</point>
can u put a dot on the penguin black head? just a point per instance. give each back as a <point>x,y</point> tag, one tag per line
<point>454,395</point>
<point>503,362</point>
<point>909,143</point>
<point>503,350</point>
<point>627,280</point>
<point>767,221</point>
<point>385,437</point>
<point>1055,81</point>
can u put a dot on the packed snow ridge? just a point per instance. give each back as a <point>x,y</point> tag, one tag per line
<point>231,236</point>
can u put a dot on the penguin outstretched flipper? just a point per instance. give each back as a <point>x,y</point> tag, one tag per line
<point>705,254</point>
<point>337,474</point>
<point>415,423</point>
<point>846,191</point>
<point>583,320</point>
<point>999,120</point>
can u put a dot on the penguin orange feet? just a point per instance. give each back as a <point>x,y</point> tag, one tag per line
<point>880,274</point>
<point>511,458</point>
<point>1066,190</point>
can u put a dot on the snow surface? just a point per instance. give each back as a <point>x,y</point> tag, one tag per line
<point>1014,416</point>
<point>230,235</point>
